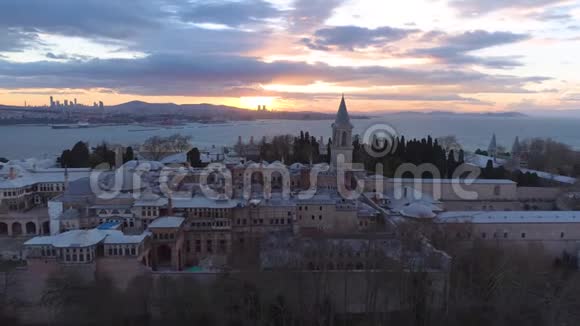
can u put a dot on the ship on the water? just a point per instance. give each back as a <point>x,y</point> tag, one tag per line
<point>71,126</point>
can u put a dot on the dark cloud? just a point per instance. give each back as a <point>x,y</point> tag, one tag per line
<point>469,7</point>
<point>230,13</point>
<point>352,37</point>
<point>187,39</point>
<point>310,14</point>
<point>479,39</point>
<point>182,59</point>
<point>432,36</point>
<point>51,55</point>
<point>90,18</point>
<point>560,14</point>
<point>455,49</point>
<point>13,39</point>
<point>165,74</point>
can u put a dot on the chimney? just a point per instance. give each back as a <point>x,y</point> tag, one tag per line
<point>118,157</point>
<point>169,205</point>
<point>12,173</point>
<point>65,178</point>
<point>252,140</point>
<point>239,139</point>
<point>321,140</point>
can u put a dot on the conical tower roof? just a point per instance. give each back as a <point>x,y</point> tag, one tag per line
<point>342,118</point>
<point>516,148</point>
<point>492,145</point>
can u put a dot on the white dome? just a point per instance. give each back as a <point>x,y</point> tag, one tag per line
<point>296,166</point>
<point>417,210</point>
<point>143,165</point>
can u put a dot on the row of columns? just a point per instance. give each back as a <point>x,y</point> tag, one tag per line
<point>23,228</point>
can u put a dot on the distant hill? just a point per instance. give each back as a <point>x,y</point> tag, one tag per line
<point>568,113</point>
<point>506,114</point>
<point>140,107</point>
<point>212,112</point>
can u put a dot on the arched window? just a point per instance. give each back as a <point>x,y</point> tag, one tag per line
<point>343,141</point>
<point>16,228</point>
<point>30,228</point>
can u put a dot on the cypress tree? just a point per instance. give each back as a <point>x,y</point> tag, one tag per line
<point>79,155</point>
<point>129,155</point>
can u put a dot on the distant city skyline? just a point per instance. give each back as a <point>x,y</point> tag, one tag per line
<point>455,55</point>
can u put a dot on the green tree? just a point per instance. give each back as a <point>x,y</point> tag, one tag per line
<point>79,155</point>
<point>102,154</point>
<point>129,155</point>
<point>65,159</point>
<point>194,157</point>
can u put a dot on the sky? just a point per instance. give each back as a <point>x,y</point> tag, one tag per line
<point>429,55</point>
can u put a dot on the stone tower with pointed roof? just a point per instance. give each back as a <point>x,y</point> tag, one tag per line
<point>341,136</point>
<point>516,148</point>
<point>492,148</point>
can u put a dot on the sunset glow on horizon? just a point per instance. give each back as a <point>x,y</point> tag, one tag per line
<point>454,55</point>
